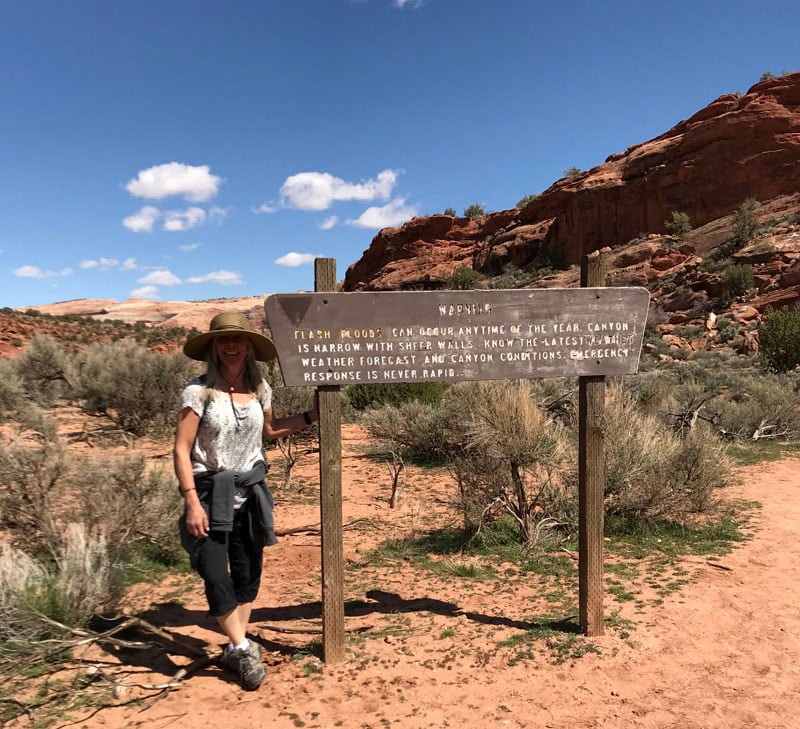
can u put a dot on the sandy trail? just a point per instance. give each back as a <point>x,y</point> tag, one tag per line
<point>723,651</point>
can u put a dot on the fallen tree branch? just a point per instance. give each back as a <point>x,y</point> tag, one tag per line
<point>317,528</point>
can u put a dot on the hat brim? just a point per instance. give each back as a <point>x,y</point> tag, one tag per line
<point>197,347</point>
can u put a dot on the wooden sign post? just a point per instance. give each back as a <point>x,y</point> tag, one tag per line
<point>326,340</point>
<point>591,478</point>
<point>330,497</point>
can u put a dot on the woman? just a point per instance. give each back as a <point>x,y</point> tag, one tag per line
<point>220,465</point>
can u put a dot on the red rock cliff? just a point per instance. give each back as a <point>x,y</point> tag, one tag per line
<point>738,147</point>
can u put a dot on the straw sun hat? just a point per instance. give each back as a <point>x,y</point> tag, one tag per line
<point>226,324</point>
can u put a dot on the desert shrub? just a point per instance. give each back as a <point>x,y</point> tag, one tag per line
<point>678,224</point>
<point>42,490</point>
<point>41,601</point>
<point>571,172</point>
<point>476,210</point>
<point>32,467</point>
<point>504,452</point>
<point>290,400</point>
<point>135,503</point>
<point>43,366</point>
<point>514,278</point>
<point>412,429</point>
<point>389,393</point>
<point>12,389</point>
<point>137,389</point>
<point>779,340</point>
<point>450,211</point>
<point>464,278</point>
<point>22,580</point>
<point>727,329</point>
<point>652,473</point>
<point>83,576</point>
<point>523,201</point>
<point>766,406</point>
<point>736,281</point>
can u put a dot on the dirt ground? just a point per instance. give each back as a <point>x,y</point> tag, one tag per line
<point>424,650</point>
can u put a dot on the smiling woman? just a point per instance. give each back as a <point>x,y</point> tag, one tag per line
<point>221,467</point>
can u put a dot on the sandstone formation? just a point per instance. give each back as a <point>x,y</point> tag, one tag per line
<point>186,314</point>
<point>738,147</point>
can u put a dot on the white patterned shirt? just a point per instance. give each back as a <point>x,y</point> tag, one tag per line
<point>229,436</point>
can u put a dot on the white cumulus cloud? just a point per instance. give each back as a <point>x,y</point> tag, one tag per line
<point>217,213</point>
<point>189,247</point>
<point>102,263</point>
<point>145,292</point>
<point>161,277</point>
<point>328,223</point>
<point>129,264</point>
<point>183,219</point>
<point>319,190</point>
<point>143,220</point>
<point>222,277</point>
<point>292,260</point>
<point>394,213</point>
<point>36,272</point>
<point>193,182</point>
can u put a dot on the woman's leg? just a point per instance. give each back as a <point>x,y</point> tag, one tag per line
<point>232,625</point>
<point>245,563</point>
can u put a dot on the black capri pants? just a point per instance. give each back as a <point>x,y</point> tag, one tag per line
<point>230,564</point>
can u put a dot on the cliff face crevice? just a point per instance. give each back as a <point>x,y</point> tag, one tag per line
<point>738,147</point>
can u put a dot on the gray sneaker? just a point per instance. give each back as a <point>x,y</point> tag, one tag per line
<point>256,649</point>
<point>246,664</point>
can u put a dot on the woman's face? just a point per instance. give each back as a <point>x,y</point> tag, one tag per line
<point>231,350</point>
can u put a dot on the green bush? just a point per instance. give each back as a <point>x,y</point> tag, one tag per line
<point>515,278</point>
<point>464,278</point>
<point>137,389</point>
<point>571,172</point>
<point>388,393</point>
<point>523,201</point>
<point>678,224</point>
<point>779,340</point>
<point>476,210</point>
<point>450,211</point>
<point>736,281</point>
<point>745,227</point>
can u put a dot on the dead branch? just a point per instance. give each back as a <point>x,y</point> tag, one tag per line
<point>302,631</point>
<point>395,468</point>
<point>316,528</point>
<point>167,637</point>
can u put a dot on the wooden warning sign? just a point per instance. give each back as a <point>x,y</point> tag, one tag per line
<point>418,336</point>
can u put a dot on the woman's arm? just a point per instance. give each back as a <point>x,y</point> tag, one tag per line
<point>281,427</point>
<point>185,433</point>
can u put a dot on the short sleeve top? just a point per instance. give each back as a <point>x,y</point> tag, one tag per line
<point>229,436</point>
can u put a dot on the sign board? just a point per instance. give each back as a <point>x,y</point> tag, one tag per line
<point>419,336</point>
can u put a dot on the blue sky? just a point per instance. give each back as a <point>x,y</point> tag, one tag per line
<point>195,149</point>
